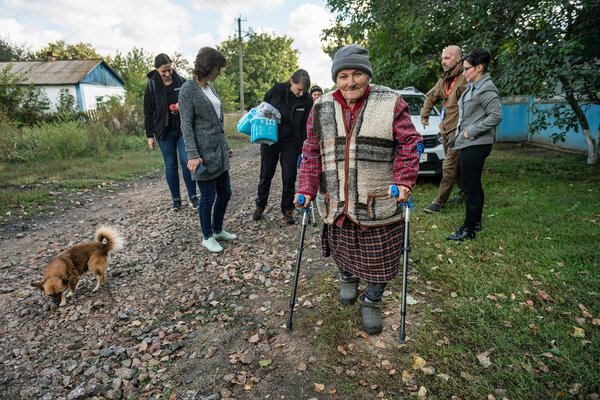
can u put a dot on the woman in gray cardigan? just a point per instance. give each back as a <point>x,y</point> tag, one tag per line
<point>206,147</point>
<point>479,112</point>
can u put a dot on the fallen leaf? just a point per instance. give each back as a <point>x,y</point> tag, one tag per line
<point>411,300</point>
<point>386,364</point>
<point>534,329</point>
<point>422,392</point>
<point>428,370</point>
<point>331,390</point>
<point>418,362</point>
<point>596,322</point>
<point>543,296</point>
<point>380,344</point>
<point>318,387</point>
<point>265,363</point>
<point>578,332</point>
<point>143,346</point>
<point>254,338</point>
<point>210,352</point>
<point>301,367</point>
<point>406,376</point>
<point>342,350</point>
<point>484,360</point>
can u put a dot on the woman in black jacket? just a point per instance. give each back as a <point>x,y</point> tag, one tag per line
<point>162,124</point>
<point>293,102</point>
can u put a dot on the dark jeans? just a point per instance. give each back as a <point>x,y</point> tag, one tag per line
<point>214,196</point>
<point>287,155</point>
<point>472,159</point>
<point>169,147</point>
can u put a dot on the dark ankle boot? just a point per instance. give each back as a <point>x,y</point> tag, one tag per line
<point>461,234</point>
<point>370,316</point>
<point>348,289</point>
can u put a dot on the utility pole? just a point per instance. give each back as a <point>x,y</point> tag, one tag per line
<point>241,58</point>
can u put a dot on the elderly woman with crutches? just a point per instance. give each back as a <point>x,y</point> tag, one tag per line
<point>360,140</point>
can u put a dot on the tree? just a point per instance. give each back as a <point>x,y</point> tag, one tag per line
<point>64,51</point>
<point>228,92</point>
<point>133,68</point>
<point>27,105</point>
<point>268,59</point>
<point>10,51</point>
<point>555,56</point>
<point>547,48</point>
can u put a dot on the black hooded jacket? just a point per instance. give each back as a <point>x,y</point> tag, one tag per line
<point>156,109</point>
<point>294,113</point>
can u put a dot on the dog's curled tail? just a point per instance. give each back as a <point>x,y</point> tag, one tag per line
<point>114,240</point>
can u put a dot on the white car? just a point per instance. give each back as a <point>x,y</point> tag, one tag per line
<point>433,156</point>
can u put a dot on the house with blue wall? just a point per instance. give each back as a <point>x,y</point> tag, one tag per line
<point>90,82</point>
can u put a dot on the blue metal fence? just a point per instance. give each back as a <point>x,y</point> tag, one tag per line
<point>518,113</point>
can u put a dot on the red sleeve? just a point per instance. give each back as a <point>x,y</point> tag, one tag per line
<point>406,138</point>
<point>309,173</point>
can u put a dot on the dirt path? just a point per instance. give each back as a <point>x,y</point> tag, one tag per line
<point>172,318</point>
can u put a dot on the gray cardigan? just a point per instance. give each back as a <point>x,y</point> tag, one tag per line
<point>479,112</point>
<point>203,131</point>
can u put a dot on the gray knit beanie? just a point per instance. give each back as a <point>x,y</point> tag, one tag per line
<point>352,56</point>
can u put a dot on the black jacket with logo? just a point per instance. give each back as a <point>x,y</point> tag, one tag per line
<point>294,113</point>
<point>156,109</point>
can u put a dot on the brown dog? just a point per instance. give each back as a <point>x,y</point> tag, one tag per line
<point>63,272</point>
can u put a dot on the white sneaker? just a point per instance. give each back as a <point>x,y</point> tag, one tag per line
<point>224,235</point>
<point>212,245</point>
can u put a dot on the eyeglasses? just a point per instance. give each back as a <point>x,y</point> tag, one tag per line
<point>465,69</point>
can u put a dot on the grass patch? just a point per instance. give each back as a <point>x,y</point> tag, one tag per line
<point>517,292</point>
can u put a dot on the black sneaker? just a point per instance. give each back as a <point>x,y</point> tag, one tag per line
<point>176,205</point>
<point>195,202</point>
<point>257,214</point>
<point>288,217</point>
<point>433,208</point>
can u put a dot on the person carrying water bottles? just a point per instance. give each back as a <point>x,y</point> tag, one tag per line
<point>360,141</point>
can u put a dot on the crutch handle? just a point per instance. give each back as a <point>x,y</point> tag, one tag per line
<point>395,192</point>
<point>301,199</point>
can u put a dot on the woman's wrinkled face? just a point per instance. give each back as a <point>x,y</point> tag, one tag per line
<point>352,83</point>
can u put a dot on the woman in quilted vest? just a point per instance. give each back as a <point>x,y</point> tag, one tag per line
<point>360,140</point>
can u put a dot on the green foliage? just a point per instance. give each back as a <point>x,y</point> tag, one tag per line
<point>267,60</point>
<point>133,67</point>
<point>64,51</point>
<point>10,51</point>
<point>547,48</point>
<point>228,91</point>
<point>127,118</point>
<point>25,104</point>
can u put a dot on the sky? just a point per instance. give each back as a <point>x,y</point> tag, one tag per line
<point>167,26</point>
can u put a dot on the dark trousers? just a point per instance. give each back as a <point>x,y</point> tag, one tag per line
<point>214,196</point>
<point>287,155</point>
<point>472,159</point>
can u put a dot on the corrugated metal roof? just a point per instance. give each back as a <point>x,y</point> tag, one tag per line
<point>52,72</point>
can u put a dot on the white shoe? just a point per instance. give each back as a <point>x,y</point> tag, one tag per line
<point>224,235</point>
<point>212,245</point>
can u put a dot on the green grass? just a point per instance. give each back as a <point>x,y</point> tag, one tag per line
<point>541,231</point>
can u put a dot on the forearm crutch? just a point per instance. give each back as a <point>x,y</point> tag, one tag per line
<point>305,217</point>
<point>406,206</point>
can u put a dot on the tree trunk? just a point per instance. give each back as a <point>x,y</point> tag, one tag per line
<point>592,145</point>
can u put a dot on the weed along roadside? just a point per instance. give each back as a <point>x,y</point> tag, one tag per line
<point>513,314</point>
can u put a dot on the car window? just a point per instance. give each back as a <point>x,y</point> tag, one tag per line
<point>415,103</point>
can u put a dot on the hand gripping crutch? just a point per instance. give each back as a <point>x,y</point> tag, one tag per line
<point>406,206</point>
<point>305,216</point>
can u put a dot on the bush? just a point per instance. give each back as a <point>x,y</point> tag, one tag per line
<point>127,118</point>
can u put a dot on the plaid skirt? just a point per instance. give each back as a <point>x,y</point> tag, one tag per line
<point>373,254</point>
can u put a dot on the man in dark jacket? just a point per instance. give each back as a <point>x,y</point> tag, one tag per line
<point>293,102</point>
<point>162,124</point>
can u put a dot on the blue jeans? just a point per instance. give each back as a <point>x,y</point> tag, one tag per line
<point>214,196</point>
<point>169,147</point>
